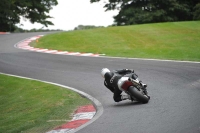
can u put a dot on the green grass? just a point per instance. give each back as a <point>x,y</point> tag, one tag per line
<point>175,40</point>
<point>28,106</point>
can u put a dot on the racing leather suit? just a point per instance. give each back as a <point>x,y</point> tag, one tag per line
<point>111,80</point>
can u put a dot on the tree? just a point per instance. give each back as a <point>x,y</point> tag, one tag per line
<point>150,11</point>
<point>83,27</point>
<point>196,14</point>
<point>34,10</point>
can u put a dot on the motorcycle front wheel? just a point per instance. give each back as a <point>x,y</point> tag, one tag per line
<point>138,94</point>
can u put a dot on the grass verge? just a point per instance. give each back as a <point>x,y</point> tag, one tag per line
<point>175,41</point>
<point>36,107</point>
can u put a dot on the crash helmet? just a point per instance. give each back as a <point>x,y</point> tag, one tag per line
<point>104,71</point>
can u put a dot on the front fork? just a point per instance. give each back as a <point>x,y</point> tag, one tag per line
<point>139,85</point>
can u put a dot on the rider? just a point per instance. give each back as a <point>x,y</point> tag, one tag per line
<point>111,79</point>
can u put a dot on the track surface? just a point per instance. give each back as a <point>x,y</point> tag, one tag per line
<point>174,88</point>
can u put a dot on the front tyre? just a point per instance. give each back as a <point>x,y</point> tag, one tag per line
<point>139,95</point>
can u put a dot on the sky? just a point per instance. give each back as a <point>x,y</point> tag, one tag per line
<point>68,14</point>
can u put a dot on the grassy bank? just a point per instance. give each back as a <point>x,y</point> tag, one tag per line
<point>176,41</point>
<point>36,107</point>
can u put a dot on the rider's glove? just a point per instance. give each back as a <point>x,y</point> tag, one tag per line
<point>129,70</point>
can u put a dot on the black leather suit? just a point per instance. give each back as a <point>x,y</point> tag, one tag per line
<point>111,79</point>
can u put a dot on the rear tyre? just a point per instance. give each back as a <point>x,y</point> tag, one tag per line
<point>139,95</point>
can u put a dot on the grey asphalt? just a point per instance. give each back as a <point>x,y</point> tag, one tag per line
<point>174,88</point>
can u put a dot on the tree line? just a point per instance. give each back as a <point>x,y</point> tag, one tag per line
<point>84,27</point>
<point>33,10</point>
<point>153,11</point>
<point>20,30</point>
<point>130,11</point>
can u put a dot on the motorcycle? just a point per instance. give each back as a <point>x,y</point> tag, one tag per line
<point>133,87</point>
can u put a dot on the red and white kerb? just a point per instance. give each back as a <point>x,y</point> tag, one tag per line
<point>25,45</point>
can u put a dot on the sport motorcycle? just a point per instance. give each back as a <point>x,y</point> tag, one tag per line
<point>134,87</point>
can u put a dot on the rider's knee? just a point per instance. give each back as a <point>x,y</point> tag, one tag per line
<point>117,99</point>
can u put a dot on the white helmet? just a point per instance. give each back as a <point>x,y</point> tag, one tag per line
<point>104,71</point>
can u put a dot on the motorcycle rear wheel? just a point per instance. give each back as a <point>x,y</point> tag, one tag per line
<point>138,94</point>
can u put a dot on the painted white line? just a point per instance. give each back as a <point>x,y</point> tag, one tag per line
<point>41,35</point>
<point>86,54</point>
<point>75,53</point>
<point>64,52</point>
<point>145,59</point>
<point>35,49</point>
<point>31,49</point>
<point>51,51</point>
<point>34,38</point>
<point>95,55</point>
<point>61,131</point>
<point>24,45</point>
<point>86,115</point>
<point>98,105</point>
<point>42,50</point>
<point>27,41</point>
<point>26,48</point>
